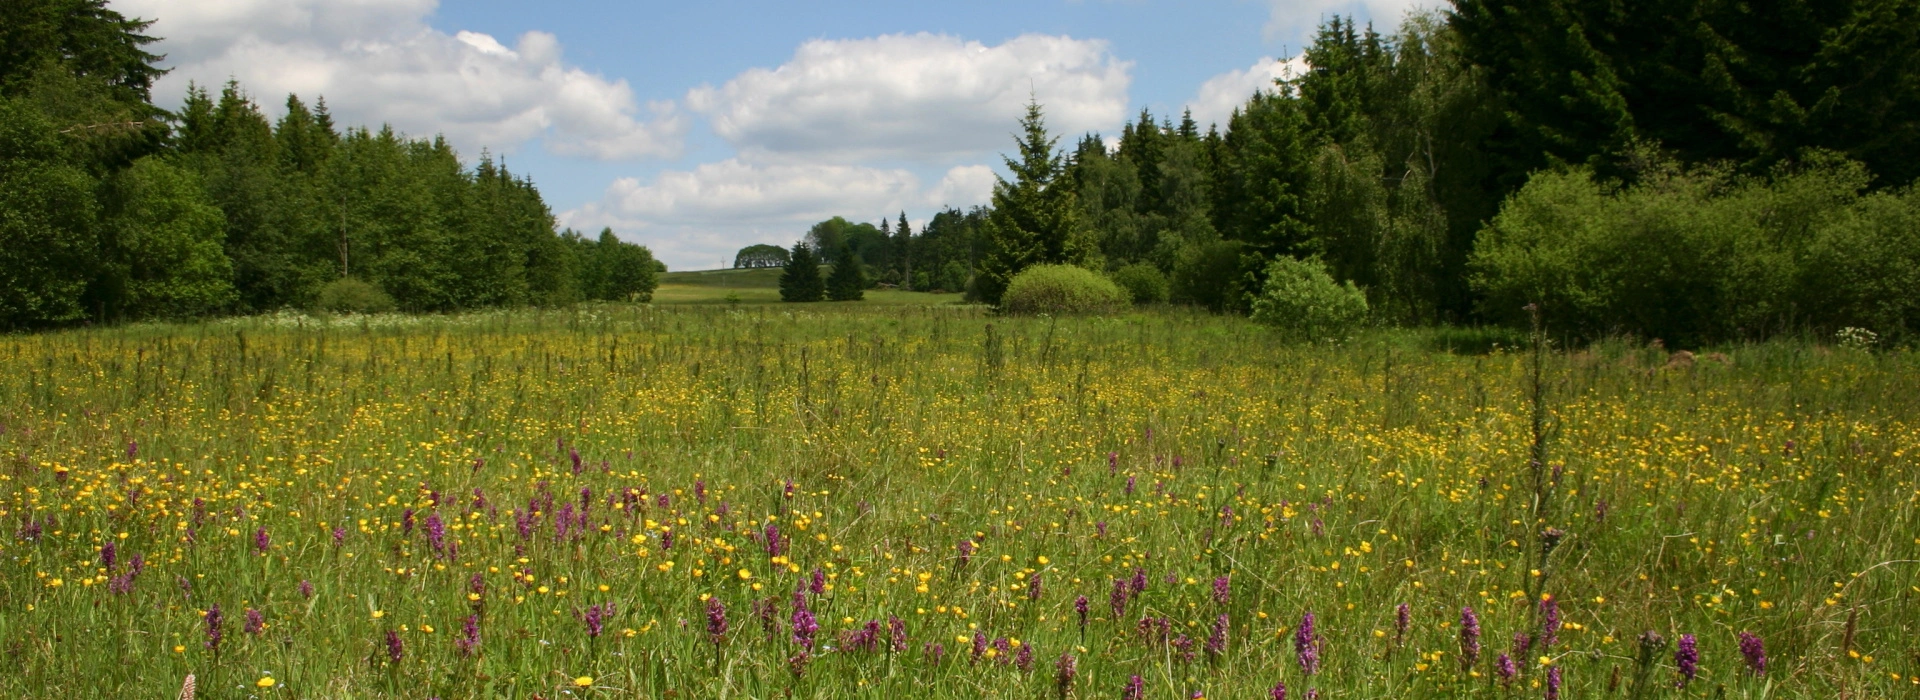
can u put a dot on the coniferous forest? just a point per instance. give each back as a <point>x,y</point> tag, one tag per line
<point>1687,170</point>
<point>114,209</point>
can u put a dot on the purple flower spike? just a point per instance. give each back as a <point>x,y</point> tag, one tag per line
<point>716,619</point>
<point>1549,622</point>
<point>1034,586</point>
<point>1065,670</point>
<point>469,641</point>
<point>260,541</point>
<point>256,622</point>
<point>1279,691</point>
<point>1553,683</point>
<point>1136,689</point>
<point>1080,608</point>
<point>395,648</point>
<point>1469,637</point>
<point>1222,589</point>
<point>1505,669</point>
<point>212,618</point>
<point>1755,653</point>
<point>1306,645</point>
<point>1217,640</point>
<point>1402,621</point>
<point>1686,656</point>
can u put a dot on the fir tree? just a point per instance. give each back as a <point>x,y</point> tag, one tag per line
<point>903,246</point>
<point>801,279</point>
<point>1033,222</point>
<point>849,282</point>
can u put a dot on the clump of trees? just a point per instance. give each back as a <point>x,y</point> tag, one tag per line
<point>1748,177</point>
<point>760,255</point>
<point>111,208</point>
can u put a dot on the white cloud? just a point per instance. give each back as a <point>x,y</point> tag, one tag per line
<point>923,97</point>
<point>376,61</point>
<point>691,219</point>
<point>1292,18</point>
<point>1223,93</point>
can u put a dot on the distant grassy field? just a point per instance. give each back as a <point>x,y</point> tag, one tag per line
<point>762,286</point>
<point>867,501</point>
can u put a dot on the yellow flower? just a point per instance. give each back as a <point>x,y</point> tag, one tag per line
<point>377,614</point>
<point>745,574</point>
<point>264,682</point>
<point>583,682</point>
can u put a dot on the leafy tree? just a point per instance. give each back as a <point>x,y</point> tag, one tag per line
<point>47,213</point>
<point>760,255</point>
<point>849,279</point>
<point>1300,299</point>
<point>168,240</point>
<point>800,281</point>
<point>1033,221</point>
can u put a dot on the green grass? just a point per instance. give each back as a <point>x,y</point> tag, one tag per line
<point>1772,493</point>
<point>762,286</point>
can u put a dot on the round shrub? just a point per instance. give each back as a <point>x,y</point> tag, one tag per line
<point>1061,289</point>
<point>1302,300</point>
<point>350,295</point>
<point>1144,283</point>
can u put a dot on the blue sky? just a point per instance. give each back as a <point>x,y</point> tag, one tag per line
<point>698,128</point>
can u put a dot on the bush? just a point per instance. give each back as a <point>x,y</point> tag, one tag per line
<point>350,295</point>
<point>1061,289</point>
<point>1302,300</point>
<point>1209,274</point>
<point>1144,283</point>
<point>1702,255</point>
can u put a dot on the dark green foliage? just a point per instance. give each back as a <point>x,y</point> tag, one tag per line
<point>610,269</point>
<point>351,295</point>
<point>1061,289</point>
<point>168,238</point>
<point>1753,83</point>
<point>1700,255</point>
<point>1034,218</point>
<point>47,212</point>
<point>849,279</point>
<point>1144,283</point>
<point>760,255</point>
<point>1212,275</point>
<point>801,281</point>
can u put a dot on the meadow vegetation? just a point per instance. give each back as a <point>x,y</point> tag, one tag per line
<point>833,500</point>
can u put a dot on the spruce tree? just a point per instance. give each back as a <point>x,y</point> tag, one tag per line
<point>801,279</point>
<point>903,246</point>
<point>849,282</point>
<point>1033,222</point>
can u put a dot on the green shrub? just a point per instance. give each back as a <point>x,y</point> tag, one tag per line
<point>1209,275</point>
<point>1701,255</point>
<point>1144,283</point>
<point>1302,300</point>
<point>1061,289</point>
<point>350,295</point>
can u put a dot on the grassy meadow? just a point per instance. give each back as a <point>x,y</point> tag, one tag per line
<point>762,286</point>
<point>890,501</point>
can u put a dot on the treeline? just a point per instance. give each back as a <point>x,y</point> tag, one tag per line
<point>1695,172</point>
<point>112,209</point>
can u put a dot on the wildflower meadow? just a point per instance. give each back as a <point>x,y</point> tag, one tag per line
<point>937,502</point>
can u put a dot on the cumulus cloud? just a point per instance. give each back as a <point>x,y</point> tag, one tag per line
<point>376,61</point>
<point>1292,17</point>
<point>1223,93</point>
<point>690,219</point>
<point>924,97</point>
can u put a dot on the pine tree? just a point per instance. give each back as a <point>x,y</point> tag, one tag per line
<point>801,279</point>
<point>903,246</point>
<point>1033,222</point>
<point>849,281</point>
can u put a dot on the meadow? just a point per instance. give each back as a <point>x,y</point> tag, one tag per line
<point>865,500</point>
